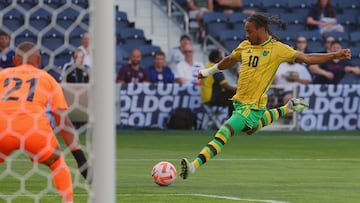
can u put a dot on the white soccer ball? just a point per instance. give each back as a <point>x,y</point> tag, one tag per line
<point>164,173</point>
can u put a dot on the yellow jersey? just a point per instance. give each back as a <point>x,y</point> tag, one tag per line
<point>258,67</point>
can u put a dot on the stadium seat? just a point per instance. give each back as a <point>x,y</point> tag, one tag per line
<point>55,72</point>
<point>237,20</point>
<point>287,36</point>
<point>54,3</point>
<point>355,56</point>
<point>315,46</point>
<point>296,5</point>
<point>348,21</point>
<point>81,3</point>
<point>355,38</point>
<point>67,17</point>
<point>4,3</point>
<point>214,23</point>
<point>27,4</point>
<point>149,50</point>
<point>121,19</point>
<point>341,36</point>
<point>76,35</point>
<point>251,4</point>
<point>13,19</point>
<point>122,57</point>
<point>274,7</point>
<point>40,19</point>
<point>132,36</point>
<point>293,22</point>
<point>25,35</point>
<point>53,39</point>
<point>45,58</point>
<point>86,19</point>
<point>312,35</point>
<point>347,5</point>
<point>230,39</point>
<point>148,53</point>
<point>62,58</point>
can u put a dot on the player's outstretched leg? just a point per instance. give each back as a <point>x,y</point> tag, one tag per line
<point>215,146</point>
<point>293,105</point>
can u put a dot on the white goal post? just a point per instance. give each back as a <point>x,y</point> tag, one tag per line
<point>102,23</point>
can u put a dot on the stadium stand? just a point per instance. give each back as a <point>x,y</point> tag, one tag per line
<point>26,35</point>
<point>13,19</point>
<point>40,19</point>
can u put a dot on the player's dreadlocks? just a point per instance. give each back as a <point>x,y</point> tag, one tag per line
<point>260,20</point>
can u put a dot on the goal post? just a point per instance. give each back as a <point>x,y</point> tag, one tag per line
<point>102,22</point>
<point>57,28</point>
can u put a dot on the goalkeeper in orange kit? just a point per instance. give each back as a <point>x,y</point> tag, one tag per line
<point>25,92</point>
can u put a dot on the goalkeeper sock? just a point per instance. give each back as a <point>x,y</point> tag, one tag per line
<point>82,164</point>
<point>62,179</point>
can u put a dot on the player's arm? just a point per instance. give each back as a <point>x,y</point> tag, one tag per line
<point>224,64</point>
<point>318,58</point>
<point>69,135</point>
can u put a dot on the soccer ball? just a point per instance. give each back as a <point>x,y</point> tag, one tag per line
<point>163,173</point>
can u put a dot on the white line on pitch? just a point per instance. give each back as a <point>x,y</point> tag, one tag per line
<point>229,159</point>
<point>203,195</point>
<point>162,195</point>
<point>255,159</point>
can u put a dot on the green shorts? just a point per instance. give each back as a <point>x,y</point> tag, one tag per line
<point>244,116</point>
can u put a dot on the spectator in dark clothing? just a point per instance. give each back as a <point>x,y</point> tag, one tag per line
<point>75,71</point>
<point>333,71</point>
<point>133,72</point>
<point>159,72</point>
<point>6,54</point>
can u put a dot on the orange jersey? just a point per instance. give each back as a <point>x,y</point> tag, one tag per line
<point>25,93</point>
<point>29,89</point>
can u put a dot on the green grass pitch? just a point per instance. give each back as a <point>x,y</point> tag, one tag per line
<point>273,167</point>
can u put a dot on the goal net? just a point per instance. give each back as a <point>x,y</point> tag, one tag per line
<point>58,27</point>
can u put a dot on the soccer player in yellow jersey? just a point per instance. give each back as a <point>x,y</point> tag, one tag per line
<point>260,55</point>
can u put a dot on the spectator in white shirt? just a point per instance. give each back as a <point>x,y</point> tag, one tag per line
<point>186,71</point>
<point>85,47</point>
<point>289,75</point>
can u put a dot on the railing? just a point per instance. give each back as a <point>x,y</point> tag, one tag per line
<point>169,10</point>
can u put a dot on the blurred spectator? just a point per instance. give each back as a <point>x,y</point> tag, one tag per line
<point>352,75</point>
<point>132,72</point>
<point>228,6</point>
<point>327,43</point>
<point>301,44</point>
<point>76,71</point>
<point>289,75</point>
<point>85,47</point>
<point>322,17</point>
<point>215,90</point>
<point>186,71</point>
<point>6,54</point>
<point>175,54</point>
<point>197,8</point>
<point>331,72</point>
<point>159,72</point>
